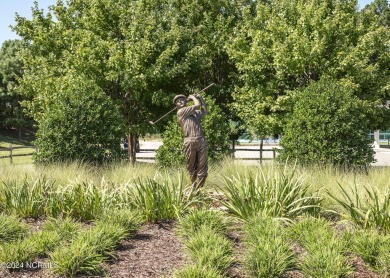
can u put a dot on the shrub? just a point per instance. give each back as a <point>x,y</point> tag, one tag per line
<point>79,123</point>
<point>216,129</point>
<point>327,125</point>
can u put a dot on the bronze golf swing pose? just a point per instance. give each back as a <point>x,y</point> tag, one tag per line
<point>195,144</point>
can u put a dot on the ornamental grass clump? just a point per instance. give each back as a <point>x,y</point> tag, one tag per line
<point>268,253</point>
<point>66,227</point>
<point>129,220</point>
<point>16,253</point>
<point>274,192</point>
<point>25,198</point>
<point>161,200</point>
<point>210,249</point>
<point>11,228</point>
<point>86,253</point>
<point>34,245</point>
<point>79,200</point>
<point>368,209</point>
<point>43,242</point>
<point>196,271</point>
<point>325,255</point>
<point>374,248</point>
<point>77,258</point>
<point>191,223</point>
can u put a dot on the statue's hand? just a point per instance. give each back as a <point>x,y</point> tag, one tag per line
<point>191,97</point>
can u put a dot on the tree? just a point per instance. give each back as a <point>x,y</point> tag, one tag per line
<point>81,123</point>
<point>377,11</point>
<point>327,125</point>
<point>282,46</point>
<point>140,53</point>
<point>11,112</point>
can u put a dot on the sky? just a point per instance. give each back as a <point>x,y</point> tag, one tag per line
<point>8,8</point>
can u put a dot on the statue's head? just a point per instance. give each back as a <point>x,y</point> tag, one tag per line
<point>180,101</point>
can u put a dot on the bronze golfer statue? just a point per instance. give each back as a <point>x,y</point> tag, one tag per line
<point>195,144</point>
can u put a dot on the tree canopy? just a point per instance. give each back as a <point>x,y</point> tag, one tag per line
<point>11,70</point>
<point>281,46</point>
<point>140,53</point>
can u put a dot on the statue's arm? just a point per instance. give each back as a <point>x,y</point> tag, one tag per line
<point>204,106</point>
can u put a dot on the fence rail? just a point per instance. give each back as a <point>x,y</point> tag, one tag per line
<point>260,157</point>
<point>12,154</point>
<point>233,151</point>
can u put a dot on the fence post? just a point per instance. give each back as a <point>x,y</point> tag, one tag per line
<point>10,153</point>
<point>274,153</point>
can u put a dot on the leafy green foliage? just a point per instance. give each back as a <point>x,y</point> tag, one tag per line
<point>327,125</point>
<point>66,227</point>
<point>281,46</point>
<point>80,123</point>
<point>25,199</point>
<point>138,53</point>
<point>11,69</point>
<point>17,252</point>
<point>127,219</point>
<point>216,128</point>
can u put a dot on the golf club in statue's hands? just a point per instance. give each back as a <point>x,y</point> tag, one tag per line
<point>196,95</point>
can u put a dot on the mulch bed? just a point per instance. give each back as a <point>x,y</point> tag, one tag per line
<point>157,252</point>
<point>154,252</point>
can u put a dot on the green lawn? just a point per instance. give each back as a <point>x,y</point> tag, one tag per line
<point>9,137</point>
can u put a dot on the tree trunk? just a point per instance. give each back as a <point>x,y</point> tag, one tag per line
<point>261,150</point>
<point>132,139</point>
<point>233,148</point>
<point>20,133</point>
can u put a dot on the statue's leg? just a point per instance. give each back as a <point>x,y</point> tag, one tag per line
<point>202,165</point>
<point>190,156</point>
